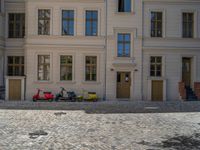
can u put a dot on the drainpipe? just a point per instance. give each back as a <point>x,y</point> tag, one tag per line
<point>142,72</point>
<point>106,43</point>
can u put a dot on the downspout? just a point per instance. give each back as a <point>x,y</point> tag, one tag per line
<point>142,58</point>
<point>106,43</point>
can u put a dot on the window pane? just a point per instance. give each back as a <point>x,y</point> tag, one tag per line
<point>91,23</point>
<point>124,46</point>
<point>91,68</point>
<point>43,21</point>
<point>156,24</point>
<point>43,67</point>
<point>68,22</point>
<point>16,25</point>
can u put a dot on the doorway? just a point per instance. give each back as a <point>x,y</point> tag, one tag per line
<point>186,71</point>
<point>157,90</point>
<point>14,89</point>
<point>123,84</point>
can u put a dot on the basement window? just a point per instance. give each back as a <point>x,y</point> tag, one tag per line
<point>124,5</point>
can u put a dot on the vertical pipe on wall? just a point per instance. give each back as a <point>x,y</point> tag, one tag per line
<point>106,35</point>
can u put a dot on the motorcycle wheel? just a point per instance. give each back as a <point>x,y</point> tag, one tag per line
<point>34,100</point>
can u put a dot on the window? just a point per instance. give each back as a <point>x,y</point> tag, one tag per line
<point>91,68</point>
<point>188,25</point>
<point>124,5</point>
<point>124,44</point>
<point>16,23</point>
<point>156,24</point>
<point>91,23</point>
<point>15,66</point>
<point>68,22</point>
<point>1,6</point>
<point>65,68</point>
<point>156,66</point>
<point>44,22</point>
<point>43,67</point>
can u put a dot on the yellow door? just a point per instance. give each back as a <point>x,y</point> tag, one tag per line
<point>157,90</point>
<point>123,84</point>
<point>186,71</point>
<point>14,89</point>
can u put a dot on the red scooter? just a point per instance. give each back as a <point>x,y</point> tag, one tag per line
<point>47,96</point>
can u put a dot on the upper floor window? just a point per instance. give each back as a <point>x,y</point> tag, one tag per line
<point>1,6</point>
<point>16,23</point>
<point>91,23</point>
<point>44,21</point>
<point>124,5</point>
<point>156,24</point>
<point>188,25</point>
<point>15,66</point>
<point>65,68</point>
<point>123,44</point>
<point>43,67</point>
<point>91,68</point>
<point>68,22</point>
<point>156,66</point>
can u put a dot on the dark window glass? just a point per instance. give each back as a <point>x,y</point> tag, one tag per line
<point>66,68</point>
<point>188,25</point>
<point>124,44</point>
<point>91,23</point>
<point>156,66</point>
<point>124,5</point>
<point>43,67</point>
<point>68,22</point>
<point>15,66</point>
<point>156,24</point>
<point>16,25</point>
<point>44,22</point>
<point>91,68</point>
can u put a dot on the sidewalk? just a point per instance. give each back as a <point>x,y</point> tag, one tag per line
<point>107,106</point>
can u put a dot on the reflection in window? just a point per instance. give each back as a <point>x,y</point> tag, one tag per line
<point>68,22</point>
<point>43,67</point>
<point>65,68</point>
<point>156,24</point>
<point>91,68</point>
<point>124,44</point>
<point>91,22</point>
<point>44,22</point>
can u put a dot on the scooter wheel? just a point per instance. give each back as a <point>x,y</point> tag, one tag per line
<point>34,100</point>
<point>51,100</point>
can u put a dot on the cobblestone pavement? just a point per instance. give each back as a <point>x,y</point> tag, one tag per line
<point>74,130</point>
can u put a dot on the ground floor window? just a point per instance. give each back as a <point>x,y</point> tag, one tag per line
<point>91,68</point>
<point>65,68</point>
<point>156,66</point>
<point>15,66</point>
<point>43,67</point>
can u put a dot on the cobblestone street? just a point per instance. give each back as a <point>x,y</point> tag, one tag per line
<point>76,129</point>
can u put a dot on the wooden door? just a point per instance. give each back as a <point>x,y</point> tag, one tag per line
<point>186,71</point>
<point>14,89</point>
<point>123,84</point>
<point>157,90</point>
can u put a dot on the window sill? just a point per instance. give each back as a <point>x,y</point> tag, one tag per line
<point>43,82</point>
<point>91,82</point>
<point>156,78</point>
<point>125,13</point>
<point>66,82</point>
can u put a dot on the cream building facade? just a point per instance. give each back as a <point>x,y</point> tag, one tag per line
<point>111,47</point>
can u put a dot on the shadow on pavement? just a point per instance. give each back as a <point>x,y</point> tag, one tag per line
<point>178,142</point>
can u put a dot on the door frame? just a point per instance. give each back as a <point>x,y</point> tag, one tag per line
<point>22,78</point>
<point>131,87</point>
